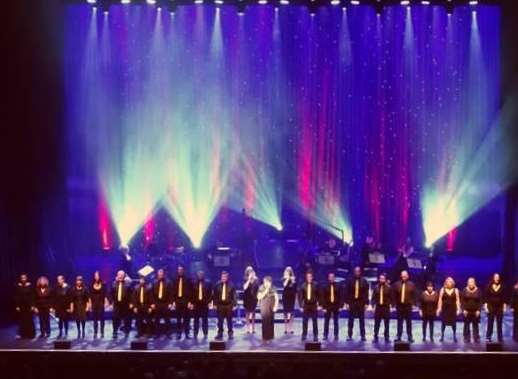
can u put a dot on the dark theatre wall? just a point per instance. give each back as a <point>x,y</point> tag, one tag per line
<point>32,140</point>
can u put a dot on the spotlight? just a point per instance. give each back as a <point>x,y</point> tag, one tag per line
<point>263,2</point>
<point>198,1</point>
<point>91,1</point>
<point>279,227</point>
<point>405,2</point>
<point>151,2</point>
<point>425,2</point>
<point>355,2</point>
<point>125,1</point>
<point>335,2</point>
<point>473,2</point>
<point>218,2</point>
<point>284,2</point>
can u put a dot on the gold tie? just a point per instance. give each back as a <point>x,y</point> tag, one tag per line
<point>180,291</point>
<point>332,293</point>
<point>200,292</point>
<point>141,295</point>
<point>160,290</point>
<point>357,289</point>
<point>308,292</point>
<point>224,292</point>
<point>381,295</point>
<point>403,293</point>
<point>119,293</point>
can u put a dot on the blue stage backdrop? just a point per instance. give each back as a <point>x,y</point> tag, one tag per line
<point>347,121</point>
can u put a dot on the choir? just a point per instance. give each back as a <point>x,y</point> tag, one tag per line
<point>151,303</point>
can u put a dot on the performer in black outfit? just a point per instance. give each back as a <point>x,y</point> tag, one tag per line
<point>120,297</point>
<point>250,287</point>
<point>182,293</point>
<point>201,298</point>
<point>162,303</point>
<point>381,300</point>
<point>225,300</point>
<point>24,302</point>
<point>43,304</point>
<point>471,301</point>
<point>331,301</point>
<point>449,307</point>
<point>97,293</point>
<point>61,301</point>
<point>308,301</point>
<point>269,300</point>
<point>357,299</point>
<point>514,306</point>
<point>429,303</point>
<point>404,297</point>
<point>79,305</point>
<point>141,305</point>
<point>495,305</point>
<point>289,294</point>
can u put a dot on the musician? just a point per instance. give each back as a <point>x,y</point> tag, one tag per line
<point>429,303</point>
<point>357,299</point>
<point>381,301</point>
<point>98,300</point>
<point>449,307</point>
<point>331,301</point>
<point>404,298</point>
<point>120,297</point>
<point>404,252</point>
<point>162,302</point>
<point>61,305</point>
<point>142,299</point>
<point>369,247</point>
<point>289,295</point>
<point>182,293</point>
<point>471,302</point>
<point>225,299</point>
<point>24,302</point>
<point>79,305</point>
<point>43,305</point>
<point>308,301</point>
<point>250,288</point>
<point>201,299</point>
<point>494,298</point>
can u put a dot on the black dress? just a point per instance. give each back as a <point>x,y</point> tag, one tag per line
<point>24,300</point>
<point>289,294</point>
<point>429,301</point>
<point>43,303</point>
<point>449,307</point>
<point>79,297</point>
<point>250,296</point>
<point>267,315</point>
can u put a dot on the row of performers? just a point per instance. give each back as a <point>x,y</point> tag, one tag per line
<point>152,303</point>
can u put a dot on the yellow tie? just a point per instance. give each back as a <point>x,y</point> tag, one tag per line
<point>403,293</point>
<point>332,293</point>
<point>200,292</point>
<point>381,295</point>
<point>224,292</point>
<point>309,292</point>
<point>141,295</point>
<point>119,292</point>
<point>357,289</point>
<point>180,292</point>
<point>160,290</point>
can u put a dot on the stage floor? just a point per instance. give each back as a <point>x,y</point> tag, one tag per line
<point>244,342</point>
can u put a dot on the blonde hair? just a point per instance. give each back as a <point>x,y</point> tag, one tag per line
<point>42,281</point>
<point>449,279</point>
<point>248,271</point>
<point>288,271</point>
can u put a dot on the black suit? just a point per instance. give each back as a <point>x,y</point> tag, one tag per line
<point>162,299</point>
<point>142,299</point>
<point>201,298</point>
<point>225,299</point>
<point>331,300</point>
<point>381,300</point>
<point>404,296</point>
<point>357,297</point>
<point>308,300</point>
<point>120,296</point>
<point>182,293</point>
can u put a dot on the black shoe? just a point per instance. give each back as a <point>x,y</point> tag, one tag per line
<point>364,339</point>
<point>205,336</point>
<point>336,338</point>
<point>315,339</point>
<point>219,337</point>
<point>410,340</point>
<point>303,338</point>
<point>398,339</point>
<point>349,338</point>
<point>178,337</point>
<point>230,336</point>
<point>187,337</point>
<point>375,340</point>
<point>387,340</point>
<point>59,336</point>
<point>325,338</point>
<point>114,336</point>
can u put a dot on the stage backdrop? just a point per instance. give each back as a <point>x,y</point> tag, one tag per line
<point>361,123</point>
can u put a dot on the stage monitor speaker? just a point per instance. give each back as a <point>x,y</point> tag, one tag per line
<point>494,346</point>
<point>217,345</point>
<point>401,346</point>
<point>138,345</point>
<point>62,345</point>
<point>313,346</point>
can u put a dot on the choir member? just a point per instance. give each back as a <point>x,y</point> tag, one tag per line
<point>61,305</point>
<point>404,298</point>
<point>141,305</point>
<point>225,300</point>
<point>24,302</point>
<point>471,301</point>
<point>269,301</point>
<point>162,302</point>
<point>201,299</point>
<point>250,287</point>
<point>43,304</point>
<point>182,293</point>
<point>514,306</point>
<point>381,301</point>
<point>429,303</point>
<point>79,305</point>
<point>495,306</point>
<point>308,301</point>
<point>357,299</point>
<point>289,294</point>
<point>120,297</point>
<point>449,307</point>
<point>98,300</point>
<point>331,301</point>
